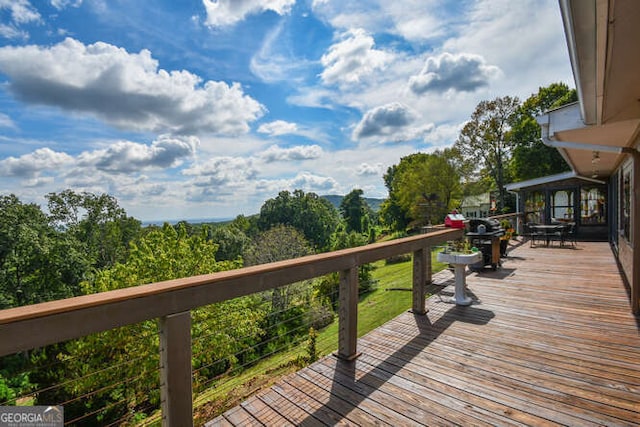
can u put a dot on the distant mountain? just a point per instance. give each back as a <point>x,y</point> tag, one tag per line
<point>335,200</point>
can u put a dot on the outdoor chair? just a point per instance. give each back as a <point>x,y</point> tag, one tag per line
<point>570,234</point>
<point>531,233</point>
<point>558,235</point>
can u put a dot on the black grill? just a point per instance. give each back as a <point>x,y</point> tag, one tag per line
<point>490,225</point>
<point>484,234</point>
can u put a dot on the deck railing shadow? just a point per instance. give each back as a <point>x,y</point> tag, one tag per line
<point>345,373</point>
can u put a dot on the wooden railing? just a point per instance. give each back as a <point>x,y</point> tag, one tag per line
<point>170,302</point>
<point>515,218</point>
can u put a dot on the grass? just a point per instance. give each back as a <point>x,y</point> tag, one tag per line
<point>391,297</point>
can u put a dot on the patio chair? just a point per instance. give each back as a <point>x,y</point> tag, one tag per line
<point>570,234</point>
<point>531,233</point>
<point>558,235</point>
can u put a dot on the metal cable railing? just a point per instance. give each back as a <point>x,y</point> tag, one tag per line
<point>188,350</point>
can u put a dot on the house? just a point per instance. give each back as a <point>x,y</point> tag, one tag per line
<point>477,206</point>
<point>599,135</point>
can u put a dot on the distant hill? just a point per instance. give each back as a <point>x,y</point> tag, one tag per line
<point>335,200</point>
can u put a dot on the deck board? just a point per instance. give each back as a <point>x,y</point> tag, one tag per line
<point>549,340</point>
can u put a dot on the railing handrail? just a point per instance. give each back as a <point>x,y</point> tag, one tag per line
<point>33,326</point>
<point>507,215</point>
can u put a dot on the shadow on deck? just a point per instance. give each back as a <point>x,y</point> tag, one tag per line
<point>548,340</point>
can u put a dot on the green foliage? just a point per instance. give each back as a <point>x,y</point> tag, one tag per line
<point>326,287</point>
<point>126,359</point>
<point>312,351</point>
<point>248,225</point>
<point>422,189</point>
<point>277,244</point>
<point>37,263</point>
<point>231,241</point>
<point>288,306</point>
<point>531,158</point>
<point>97,222</point>
<point>314,216</point>
<point>355,211</point>
<point>487,140</point>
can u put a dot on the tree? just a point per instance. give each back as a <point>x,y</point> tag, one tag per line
<point>531,157</point>
<point>391,214</point>
<point>424,187</point>
<point>231,241</point>
<point>354,210</point>
<point>97,221</point>
<point>314,216</point>
<point>487,139</point>
<point>288,304</point>
<point>117,370</point>
<point>37,263</point>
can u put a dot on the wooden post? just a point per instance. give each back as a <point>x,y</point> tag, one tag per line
<point>175,369</point>
<point>421,276</point>
<point>348,314</point>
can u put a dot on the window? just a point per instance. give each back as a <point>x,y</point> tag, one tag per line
<point>625,211</point>
<point>593,205</point>
<point>534,207</point>
<point>562,205</point>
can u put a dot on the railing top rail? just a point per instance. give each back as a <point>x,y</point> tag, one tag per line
<point>79,316</point>
<point>507,215</point>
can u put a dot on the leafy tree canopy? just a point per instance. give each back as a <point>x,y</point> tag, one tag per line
<point>277,244</point>
<point>314,216</point>
<point>487,140</point>
<point>423,188</point>
<point>354,209</point>
<point>37,263</point>
<point>531,158</point>
<point>97,221</point>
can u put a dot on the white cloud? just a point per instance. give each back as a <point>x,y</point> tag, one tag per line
<point>301,152</point>
<point>414,20</point>
<point>274,62</point>
<point>221,172</point>
<point>32,164</point>
<point>21,11</point>
<point>353,58</point>
<point>457,72</point>
<point>304,180</point>
<point>368,169</point>
<point>229,12</point>
<point>6,122</point>
<point>11,32</point>
<point>61,4</point>
<point>525,39</point>
<point>126,90</point>
<point>123,157</point>
<point>278,127</point>
<point>308,181</point>
<point>127,156</point>
<point>391,122</point>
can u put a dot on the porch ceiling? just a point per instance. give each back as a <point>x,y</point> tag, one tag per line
<point>603,38</point>
<point>599,152</point>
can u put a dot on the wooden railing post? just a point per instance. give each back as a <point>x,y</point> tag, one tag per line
<point>175,369</point>
<point>421,277</point>
<point>348,314</point>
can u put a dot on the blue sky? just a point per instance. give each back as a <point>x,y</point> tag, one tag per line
<point>205,109</point>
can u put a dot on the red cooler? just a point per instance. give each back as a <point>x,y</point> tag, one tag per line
<point>454,220</point>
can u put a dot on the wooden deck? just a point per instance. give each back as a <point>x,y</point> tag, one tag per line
<point>550,340</point>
